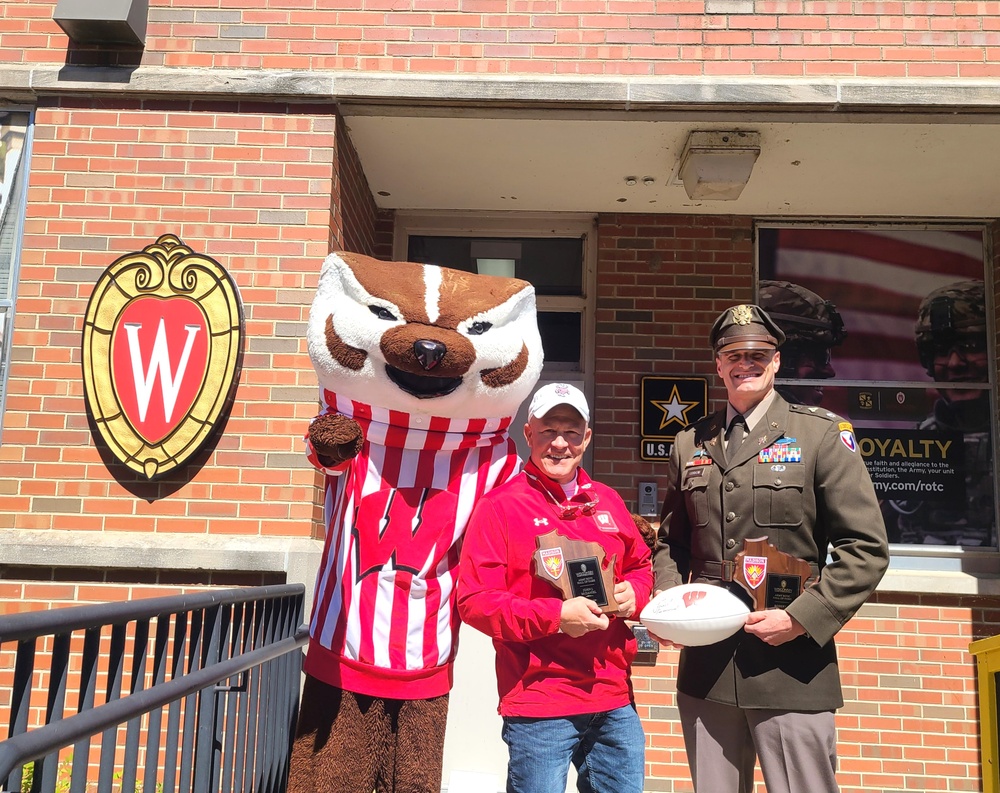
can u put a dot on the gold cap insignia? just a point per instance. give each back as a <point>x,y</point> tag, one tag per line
<point>742,315</point>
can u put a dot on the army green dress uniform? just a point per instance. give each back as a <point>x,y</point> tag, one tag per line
<point>799,480</point>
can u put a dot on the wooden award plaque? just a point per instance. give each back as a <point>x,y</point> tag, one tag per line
<point>772,578</point>
<point>576,568</point>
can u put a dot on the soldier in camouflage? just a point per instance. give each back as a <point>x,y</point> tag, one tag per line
<point>812,328</point>
<point>951,343</point>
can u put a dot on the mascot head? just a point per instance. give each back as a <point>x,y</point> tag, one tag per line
<point>424,339</point>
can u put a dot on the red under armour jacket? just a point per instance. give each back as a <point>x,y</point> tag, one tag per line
<point>540,671</point>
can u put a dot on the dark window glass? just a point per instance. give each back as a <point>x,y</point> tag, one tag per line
<point>561,332</point>
<point>553,265</point>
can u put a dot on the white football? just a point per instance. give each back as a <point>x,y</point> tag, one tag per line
<point>694,614</point>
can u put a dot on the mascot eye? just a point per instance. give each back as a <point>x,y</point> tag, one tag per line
<point>479,328</point>
<point>382,313</point>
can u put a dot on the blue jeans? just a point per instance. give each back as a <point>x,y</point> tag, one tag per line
<point>608,750</point>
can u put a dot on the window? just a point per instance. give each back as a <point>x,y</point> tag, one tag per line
<point>557,256</point>
<point>891,327</point>
<point>14,139</point>
<point>554,257</point>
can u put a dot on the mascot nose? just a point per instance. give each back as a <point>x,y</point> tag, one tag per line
<point>429,353</point>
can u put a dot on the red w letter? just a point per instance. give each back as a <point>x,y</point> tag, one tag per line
<point>401,529</point>
<point>690,598</point>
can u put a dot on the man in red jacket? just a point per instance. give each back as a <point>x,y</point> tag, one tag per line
<point>562,664</point>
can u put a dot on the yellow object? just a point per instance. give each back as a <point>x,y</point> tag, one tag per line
<point>987,652</point>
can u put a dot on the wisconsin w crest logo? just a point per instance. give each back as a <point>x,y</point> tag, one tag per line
<point>162,346</point>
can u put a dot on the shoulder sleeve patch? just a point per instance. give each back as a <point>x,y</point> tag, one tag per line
<point>847,438</point>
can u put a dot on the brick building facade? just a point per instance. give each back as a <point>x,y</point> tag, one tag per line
<point>266,137</point>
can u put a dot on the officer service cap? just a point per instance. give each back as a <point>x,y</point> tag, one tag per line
<point>745,327</point>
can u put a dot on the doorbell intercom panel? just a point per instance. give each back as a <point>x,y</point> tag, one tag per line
<point>648,499</point>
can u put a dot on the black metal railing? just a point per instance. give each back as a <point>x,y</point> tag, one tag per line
<point>209,704</point>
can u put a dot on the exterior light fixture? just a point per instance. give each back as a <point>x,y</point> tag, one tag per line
<point>103,21</point>
<point>716,165</point>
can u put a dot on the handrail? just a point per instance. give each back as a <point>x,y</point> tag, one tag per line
<point>177,653</point>
<point>38,743</point>
<point>32,624</point>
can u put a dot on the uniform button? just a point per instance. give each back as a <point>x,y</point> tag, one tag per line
<point>730,517</point>
<point>729,486</point>
<point>777,481</point>
<point>730,543</point>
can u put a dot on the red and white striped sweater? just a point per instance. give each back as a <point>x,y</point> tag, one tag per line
<point>384,621</point>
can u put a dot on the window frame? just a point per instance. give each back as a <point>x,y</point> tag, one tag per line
<point>18,204</point>
<point>520,225</point>
<point>480,224</point>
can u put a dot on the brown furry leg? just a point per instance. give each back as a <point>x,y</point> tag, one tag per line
<point>333,751</point>
<point>414,760</point>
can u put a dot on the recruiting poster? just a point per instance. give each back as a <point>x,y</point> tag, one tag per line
<point>891,328</point>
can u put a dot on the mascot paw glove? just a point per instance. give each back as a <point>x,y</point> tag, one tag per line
<point>335,438</point>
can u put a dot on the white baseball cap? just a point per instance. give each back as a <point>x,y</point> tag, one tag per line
<point>548,396</point>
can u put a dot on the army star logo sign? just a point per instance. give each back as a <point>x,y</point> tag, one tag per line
<point>668,405</point>
<point>162,345</point>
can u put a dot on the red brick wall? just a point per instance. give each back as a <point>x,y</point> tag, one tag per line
<point>584,37</point>
<point>662,280</point>
<point>910,718</point>
<point>243,183</point>
<point>385,226</point>
<point>354,210</point>
<point>910,721</point>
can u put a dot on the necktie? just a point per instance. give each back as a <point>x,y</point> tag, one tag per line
<point>735,435</point>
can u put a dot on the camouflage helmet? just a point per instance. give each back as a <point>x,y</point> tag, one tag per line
<point>804,316</point>
<point>948,315</point>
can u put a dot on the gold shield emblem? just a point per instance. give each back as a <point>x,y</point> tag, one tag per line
<point>162,350</point>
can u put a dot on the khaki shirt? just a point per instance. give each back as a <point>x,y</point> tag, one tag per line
<point>822,500</point>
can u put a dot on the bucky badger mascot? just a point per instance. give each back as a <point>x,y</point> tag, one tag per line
<point>421,369</point>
